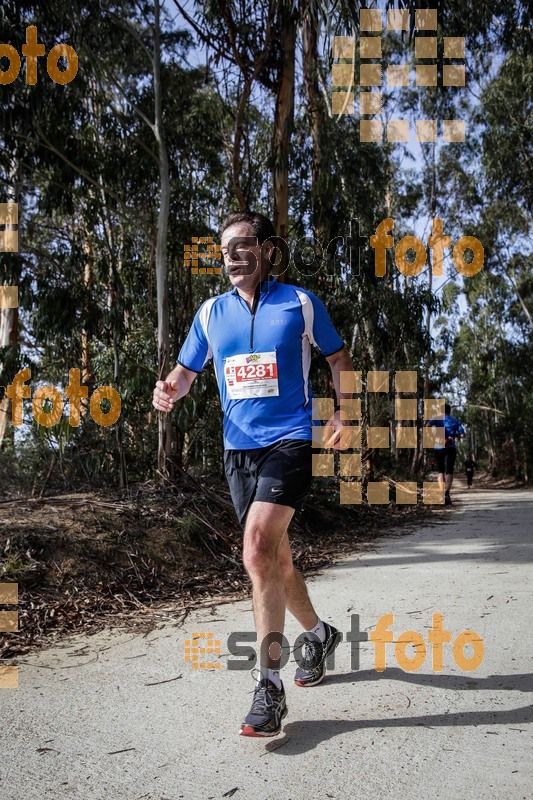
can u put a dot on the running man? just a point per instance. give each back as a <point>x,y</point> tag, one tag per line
<point>445,456</point>
<point>470,466</point>
<point>259,336</point>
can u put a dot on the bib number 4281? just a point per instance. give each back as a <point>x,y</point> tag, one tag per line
<point>252,371</point>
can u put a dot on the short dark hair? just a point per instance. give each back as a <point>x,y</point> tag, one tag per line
<point>262,227</point>
<point>447,408</point>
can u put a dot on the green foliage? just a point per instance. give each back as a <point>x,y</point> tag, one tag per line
<point>82,161</point>
<point>190,529</point>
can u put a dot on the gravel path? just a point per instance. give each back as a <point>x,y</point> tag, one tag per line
<point>361,734</point>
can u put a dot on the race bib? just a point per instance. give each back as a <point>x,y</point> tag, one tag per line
<point>251,375</point>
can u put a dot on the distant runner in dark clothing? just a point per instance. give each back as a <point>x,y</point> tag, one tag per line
<point>470,465</point>
<point>445,456</point>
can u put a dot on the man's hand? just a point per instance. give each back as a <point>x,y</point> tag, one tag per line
<point>177,384</point>
<point>165,395</point>
<point>335,440</point>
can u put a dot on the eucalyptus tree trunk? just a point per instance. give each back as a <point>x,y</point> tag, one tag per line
<point>314,100</point>
<point>87,372</point>
<point>283,120</point>
<point>164,431</point>
<point>8,336</point>
<point>9,317</point>
<point>250,72</point>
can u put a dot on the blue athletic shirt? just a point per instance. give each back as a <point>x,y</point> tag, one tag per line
<point>287,320</point>
<point>452,428</point>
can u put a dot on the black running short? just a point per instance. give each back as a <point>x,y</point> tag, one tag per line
<point>279,473</point>
<point>445,460</point>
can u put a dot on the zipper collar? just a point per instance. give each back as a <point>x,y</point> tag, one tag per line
<point>264,286</point>
<point>261,288</point>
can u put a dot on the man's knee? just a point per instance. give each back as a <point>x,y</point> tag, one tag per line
<point>259,554</point>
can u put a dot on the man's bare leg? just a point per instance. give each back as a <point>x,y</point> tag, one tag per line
<point>312,669</point>
<point>266,524</point>
<point>296,596</point>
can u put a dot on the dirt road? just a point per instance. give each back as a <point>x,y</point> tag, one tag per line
<point>361,734</point>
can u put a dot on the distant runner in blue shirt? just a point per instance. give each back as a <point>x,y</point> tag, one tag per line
<point>445,454</point>
<point>259,337</point>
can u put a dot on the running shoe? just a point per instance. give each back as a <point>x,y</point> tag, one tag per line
<point>312,669</point>
<point>268,709</point>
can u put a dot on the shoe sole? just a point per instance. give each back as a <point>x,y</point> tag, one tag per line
<point>249,730</point>
<point>338,637</point>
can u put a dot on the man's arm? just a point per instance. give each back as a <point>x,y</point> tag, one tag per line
<point>175,386</point>
<point>341,361</point>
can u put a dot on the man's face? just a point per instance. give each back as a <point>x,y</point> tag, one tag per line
<point>243,256</point>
